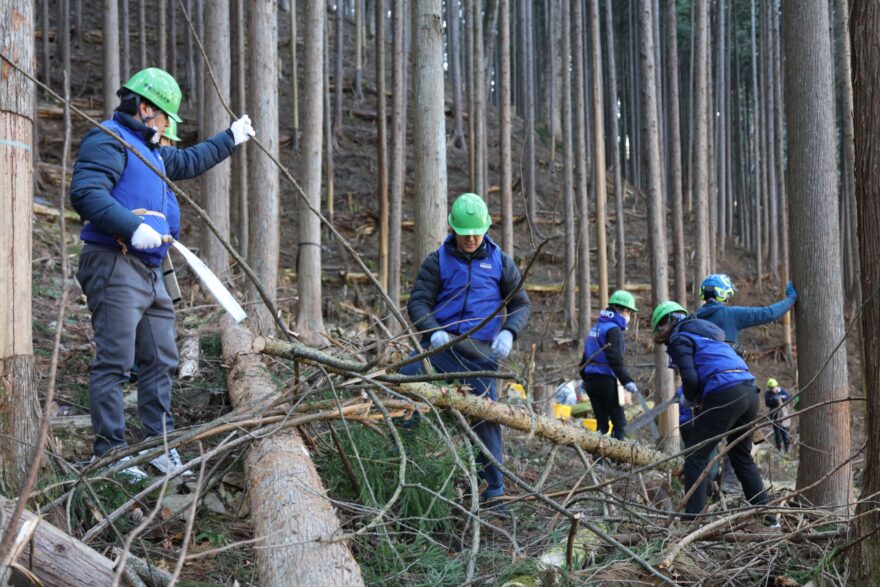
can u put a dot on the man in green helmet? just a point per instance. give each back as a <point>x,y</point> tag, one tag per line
<point>127,211</point>
<point>602,365</point>
<point>458,286</point>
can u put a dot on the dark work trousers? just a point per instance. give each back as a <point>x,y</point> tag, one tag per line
<point>780,434</point>
<point>133,320</point>
<point>686,431</point>
<point>602,391</point>
<point>450,361</point>
<point>722,411</point>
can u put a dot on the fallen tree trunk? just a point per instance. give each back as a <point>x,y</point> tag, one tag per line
<point>518,418</point>
<point>289,506</point>
<point>57,558</point>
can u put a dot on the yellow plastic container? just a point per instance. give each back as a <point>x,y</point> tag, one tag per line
<point>590,424</point>
<point>561,412</point>
<point>518,389</point>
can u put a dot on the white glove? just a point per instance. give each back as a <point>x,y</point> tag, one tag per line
<point>146,237</point>
<point>242,130</point>
<point>439,338</point>
<point>502,344</point>
<point>631,387</point>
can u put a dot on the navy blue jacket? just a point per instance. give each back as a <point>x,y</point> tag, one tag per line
<point>608,329</point>
<point>774,400</point>
<point>102,161</point>
<point>705,362</point>
<point>732,319</point>
<point>429,285</point>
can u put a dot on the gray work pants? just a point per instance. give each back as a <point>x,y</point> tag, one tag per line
<point>133,320</point>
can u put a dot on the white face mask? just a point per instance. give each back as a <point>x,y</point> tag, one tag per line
<point>626,318</point>
<point>156,137</point>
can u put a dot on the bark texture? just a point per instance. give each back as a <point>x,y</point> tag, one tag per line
<point>263,248</point>
<point>865,34</point>
<point>216,182</point>
<point>56,558</point>
<point>309,320</point>
<point>289,505</point>
<point>111,55</point>
<point>19,408</point>
<point>556,431</point>
<point>429,126</point>
<point>813,189</point>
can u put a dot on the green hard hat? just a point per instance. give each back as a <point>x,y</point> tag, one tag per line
<point>171,131</point>
<point>772,383</point>
<point>623,298</point>
<point>157,86</point>
<point>663,310</point>
<point>469,215</point>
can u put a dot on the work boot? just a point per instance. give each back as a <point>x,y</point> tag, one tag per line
<point>771,521</point>
<point>169,463</point>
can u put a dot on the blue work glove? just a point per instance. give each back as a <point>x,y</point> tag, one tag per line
<point>502,344</point>
<point>790,291</point>
<point>439,338</point>
<point>631,387</point>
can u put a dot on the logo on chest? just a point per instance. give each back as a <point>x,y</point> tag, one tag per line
<point>485,265</point>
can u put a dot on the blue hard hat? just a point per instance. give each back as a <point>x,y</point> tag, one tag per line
<point>718,284</point>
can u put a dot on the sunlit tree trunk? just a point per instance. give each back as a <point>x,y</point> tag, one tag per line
<point>398,144</point>
<point>600,187</point>
<point>700,139</point>
<point>506,146</point>
<point>262,65</point>
<point>528,109</point>
<point>429,128</point>
<point>673,127</point>
<point>582,171</point>
<point>568,155</point>
<point>381,143</point>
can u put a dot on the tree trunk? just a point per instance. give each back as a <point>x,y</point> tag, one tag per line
<point>582,171</point>
<point>398,143</point>
<point>239,213</point>
<point>381,143</point>
<point>519,418</point>
<point>172,39</point>
<point>359,49</point>
<point>309,319</point>
<point>656,214</point>
<point>528,109</point>
<point>568,176</point>
<point>126,41</point>
<point>757,161</point>
<point>780,177</point>
<point>338,71</point>
<point>294,80</point>
<point>614,131</point>
<point>263,213</point>
<point>700,139</point>
<point>673,127</point>
<point>721,132</point>
<point>56,558</point>
<point>825,433</point>
<point>163,33</point>
<point>44,27</point>
<point>600,187</point>
<point>329,195</point>
<point>215,183</point>
<point>506,146</point>
<point>429,132</point>
<point>290,509</point>
<point>770,130</point>
<point>864,26</point>
<point>111,56</point>
<point>454,57</point>
<point>479,113</point>
<point>19,405</point>
<point>190,58</point>
<point>199,100</point>
<point>142,33</point>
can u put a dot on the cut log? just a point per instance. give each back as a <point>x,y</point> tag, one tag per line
<point>189,357</point>
<point>518,418</point>
<point>289,505</point>
<point>57,558</point>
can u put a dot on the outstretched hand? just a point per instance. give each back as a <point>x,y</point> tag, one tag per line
<point>502,344</point>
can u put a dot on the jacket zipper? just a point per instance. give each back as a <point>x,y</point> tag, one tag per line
<point>467,292</point>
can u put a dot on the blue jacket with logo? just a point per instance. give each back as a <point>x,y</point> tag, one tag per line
<point>456,291</point>
<point>732,319</point>
<point>607,361</point>
<point>705,362</point>
<point>108,183</point>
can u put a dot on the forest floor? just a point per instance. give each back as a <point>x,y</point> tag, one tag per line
<point>223,517</point>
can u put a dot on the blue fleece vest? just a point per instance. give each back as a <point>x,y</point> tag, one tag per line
<point>598,365</point>
<point>138,187</point>
<point>470,291</point>
<point>718,366</point>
